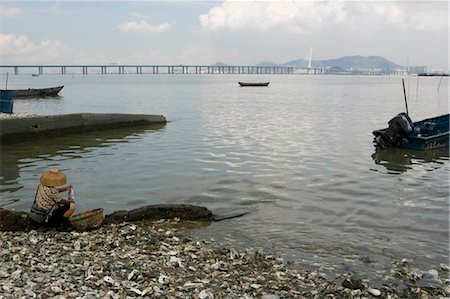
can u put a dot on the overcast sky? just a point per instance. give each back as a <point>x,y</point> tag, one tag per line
<point>233,32</point>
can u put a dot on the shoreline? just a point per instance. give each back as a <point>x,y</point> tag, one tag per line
<point>160,259</point>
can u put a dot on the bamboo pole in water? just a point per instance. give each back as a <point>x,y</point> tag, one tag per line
<point>439,85</point>
<point>417,85</point>
<point>404,93</point>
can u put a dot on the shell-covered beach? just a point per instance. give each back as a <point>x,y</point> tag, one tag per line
<point>160,259</point>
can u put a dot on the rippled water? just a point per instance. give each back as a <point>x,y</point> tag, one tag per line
<point>297,154</point>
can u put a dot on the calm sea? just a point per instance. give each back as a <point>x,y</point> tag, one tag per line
<point>297,154</point>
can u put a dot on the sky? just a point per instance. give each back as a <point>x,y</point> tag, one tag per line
<point>232,32</point>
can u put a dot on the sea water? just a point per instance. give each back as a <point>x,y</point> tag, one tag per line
<point>298,155</point>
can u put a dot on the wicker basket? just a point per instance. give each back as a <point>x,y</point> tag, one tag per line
<point>87,220</point>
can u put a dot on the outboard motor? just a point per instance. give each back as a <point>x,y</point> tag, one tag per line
<point>399,127</point>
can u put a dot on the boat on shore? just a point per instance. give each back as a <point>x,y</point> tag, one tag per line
<point>430,133</point>
<point>36,92</point>
<point>245,84</point>
<point>433,75</point>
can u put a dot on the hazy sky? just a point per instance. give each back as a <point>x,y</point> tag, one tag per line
<point>234,32</point>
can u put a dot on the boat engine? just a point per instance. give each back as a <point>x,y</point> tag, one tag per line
<point>399,127</point>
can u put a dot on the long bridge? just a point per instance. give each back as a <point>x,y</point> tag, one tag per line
<point>170,69</point>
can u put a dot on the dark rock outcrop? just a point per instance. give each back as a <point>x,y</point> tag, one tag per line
<point>20,221</point>
<point>161,211</point>
<point>16,221</point>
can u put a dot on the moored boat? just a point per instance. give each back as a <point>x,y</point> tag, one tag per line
<point>253,83</point>
<point>37,92</point>
<point>430,133</point>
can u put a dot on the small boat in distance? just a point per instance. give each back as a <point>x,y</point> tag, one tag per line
<point>430,133</point>
<point>242,84</point>
<point>36,92</point>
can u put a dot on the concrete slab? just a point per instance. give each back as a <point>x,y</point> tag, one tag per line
<point>56,125</point>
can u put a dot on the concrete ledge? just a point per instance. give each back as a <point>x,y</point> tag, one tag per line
<point>56,125</point>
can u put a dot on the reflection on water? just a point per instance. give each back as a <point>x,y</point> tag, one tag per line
<point>19,156</point>
<point>397,160</point>
<point>35,98</point>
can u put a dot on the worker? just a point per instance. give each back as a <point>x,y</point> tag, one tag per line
<point>49,206</point>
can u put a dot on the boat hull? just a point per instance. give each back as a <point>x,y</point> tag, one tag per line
<point>245,84</point>
<point>37,92</point>
<point>430,133</point>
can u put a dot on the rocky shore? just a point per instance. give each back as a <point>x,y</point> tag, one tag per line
<point>158,259</point>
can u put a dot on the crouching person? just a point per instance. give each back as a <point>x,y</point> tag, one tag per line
<point>49,207</point>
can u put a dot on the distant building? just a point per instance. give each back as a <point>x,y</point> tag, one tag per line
<point>417,69</point>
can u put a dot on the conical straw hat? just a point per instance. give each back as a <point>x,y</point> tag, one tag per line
<point>53,177</point>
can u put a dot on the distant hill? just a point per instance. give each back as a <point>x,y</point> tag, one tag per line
<point>267,63</point>
<point>349,62</point>
<point>343,63</point>
<point>298,62</point>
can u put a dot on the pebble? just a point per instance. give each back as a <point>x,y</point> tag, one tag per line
<point>109,280</point>
<point>132,274</point>
<point>432,274</point>
<point>374,292</point>
<point>204,294</point>
<point>162,279</point>
<point>144,260</point>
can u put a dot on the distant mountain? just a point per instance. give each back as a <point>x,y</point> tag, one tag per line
<point>298,62</point>
<point>349,63</point>
<point>267,63</point>
<point>342,63</point>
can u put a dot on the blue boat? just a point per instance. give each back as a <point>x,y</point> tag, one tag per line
<point>430,133</point>
<point>6,101</point>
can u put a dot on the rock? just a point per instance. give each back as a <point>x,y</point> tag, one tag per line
<point>109,280</point>
<point>132,274</point>
<point>77,245</point>
<point>16,221</point>
<point>204,294</point>
<point>162,211</point>
<point>230,215</point>
<point>56,290</point>
<point>432,274</point>
<point>162,279</point>
<point>365,259</point>
<point>353,283</point>
<point>374,292</point>
<point>20,221</point>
